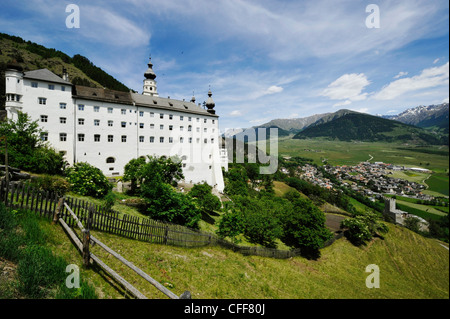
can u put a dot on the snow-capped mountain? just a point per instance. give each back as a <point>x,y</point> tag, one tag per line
<point>423,116</point>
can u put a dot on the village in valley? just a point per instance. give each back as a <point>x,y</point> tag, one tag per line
<point>370,179</point>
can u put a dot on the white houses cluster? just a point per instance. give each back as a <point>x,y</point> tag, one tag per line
<point>108,128</point>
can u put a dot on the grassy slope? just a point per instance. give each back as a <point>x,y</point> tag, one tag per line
<point>410,267</point>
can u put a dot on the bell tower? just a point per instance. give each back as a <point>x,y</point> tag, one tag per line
<point>149,81</point>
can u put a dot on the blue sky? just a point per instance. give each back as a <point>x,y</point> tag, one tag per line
<point>263,59</point>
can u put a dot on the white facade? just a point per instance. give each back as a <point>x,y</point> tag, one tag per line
<point>108,128</point>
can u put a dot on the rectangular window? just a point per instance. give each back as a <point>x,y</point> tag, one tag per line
<point>212,141</point>
<point>141,113</point>
<point>198,120</point>
<point>161,127</point>
<point>204,121</point>
<point>181,139</point>
<point>152,139</point>
<point>205,130</point>
<point>161,116</point>
<point>141,139</point>
<point>44,136</point>
<point>96,108</point>
<point>80,137</point>
<point>62,120</point>
<point>110,123</point>
<point>110,110</point>
<point>198,130</point>
<point>110,138</point>
<point>62,137</point>
<point>80,107</point>
<point>124,138</point>
<point>170,139</point>
<point>170,116</point>
<point>205,141</point>
<point>181,117</point>
<point>197,140</point>
<point>161,139</point>
<point>152,126</point>
<point>213,121</point>
<point>141,125</point>
<point>190,140</point>
<point>152,114</point>
<point>62,106</point>
<point>170,127</point>
<point>42,100</point>
<point>44,118</point>
<point>34,84</point>
<point>51,87</point>
<point>190,119</point>
<point>97,138</point>
<point>96,122</point>
<point>63,88</point>
<point>123,124</point>
<point>123,111</point>
<point>80,121</point>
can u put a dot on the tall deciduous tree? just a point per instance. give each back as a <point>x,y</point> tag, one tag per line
<point>26,150</point>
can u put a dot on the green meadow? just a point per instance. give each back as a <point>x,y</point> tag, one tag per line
<point>352,153</point>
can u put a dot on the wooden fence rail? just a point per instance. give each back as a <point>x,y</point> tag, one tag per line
<point>83,246</point>
<point>95,217</point>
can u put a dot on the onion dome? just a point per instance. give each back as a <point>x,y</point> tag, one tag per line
<point>149,74</point>
<point>210,103</point>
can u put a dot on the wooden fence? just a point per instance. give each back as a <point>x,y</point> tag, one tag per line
<point>88,257</point>
<point>95,217</point>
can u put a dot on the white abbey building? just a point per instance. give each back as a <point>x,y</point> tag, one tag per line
<point>108,128</point>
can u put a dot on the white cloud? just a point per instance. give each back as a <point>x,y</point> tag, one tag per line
<point>361,110</point>
<point>436,61</point>
<point>346,102</point>
<point>445,100</point>
<point>348,87</point>
<point>400,74</point>
<point>274,89</point>
<point>297,29</point>
<point>428,78</point>
<point>236,113</point>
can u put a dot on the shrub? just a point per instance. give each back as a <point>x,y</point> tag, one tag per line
<point>304,226</point>
<point>88,180</point>
<point>165,204</point>
<point>109,200</point>
<point>205,199</point>
<point>260,219</point>
<point>230,225</point>
<point>54,184</point>
<point>362,228</point>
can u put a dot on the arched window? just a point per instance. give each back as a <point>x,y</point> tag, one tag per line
<point>110,160</point>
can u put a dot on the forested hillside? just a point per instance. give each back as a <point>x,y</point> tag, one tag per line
<point>33,56</point>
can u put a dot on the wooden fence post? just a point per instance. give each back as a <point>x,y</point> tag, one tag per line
<point>90,218</point>
<point>86,254</point>
<point>58,210</point>
<point>186,295</point>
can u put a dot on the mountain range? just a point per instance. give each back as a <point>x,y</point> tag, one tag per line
<point>431,116</point>
<point>419,125</point>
